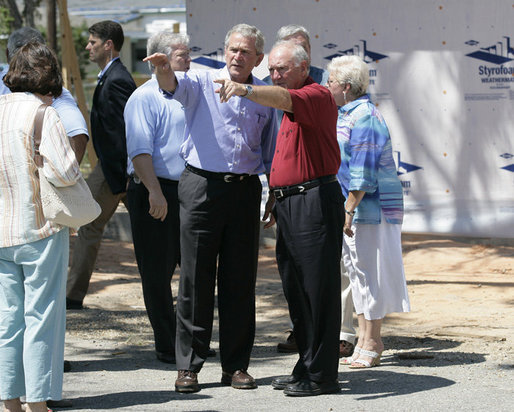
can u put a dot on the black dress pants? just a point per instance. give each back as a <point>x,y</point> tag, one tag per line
<point>157,249</point>
<point>309,242</point>
<point>219,238</point>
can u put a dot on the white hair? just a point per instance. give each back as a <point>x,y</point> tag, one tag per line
<point>298,53</point>
<point>165,42</point>
<point>290,30</point>
<point>350,70</point>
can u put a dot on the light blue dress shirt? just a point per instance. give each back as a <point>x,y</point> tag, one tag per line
<point>69,113</point>
<point>237,136</point>
<point>155,125</point>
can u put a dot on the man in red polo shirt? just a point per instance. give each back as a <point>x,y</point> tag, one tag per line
<point>309,213</point>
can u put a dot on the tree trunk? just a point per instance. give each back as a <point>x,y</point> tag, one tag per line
<point>28,12</point>
<point>51,28</point>
<point>15,13</point>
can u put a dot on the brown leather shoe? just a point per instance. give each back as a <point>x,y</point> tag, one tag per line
<point>346,349</point>
<point>240,379</point>
<point>187,382</point>
<point>289,346</point>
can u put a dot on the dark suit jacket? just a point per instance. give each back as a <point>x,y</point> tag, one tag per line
<point>108,125</point>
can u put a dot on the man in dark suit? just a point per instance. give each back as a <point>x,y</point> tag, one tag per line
<point>108,180</point>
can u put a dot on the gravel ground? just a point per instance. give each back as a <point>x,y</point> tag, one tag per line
<point>454,351</point>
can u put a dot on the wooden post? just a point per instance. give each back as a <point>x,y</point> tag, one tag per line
<point>71,72</point>
<point>51,29</point>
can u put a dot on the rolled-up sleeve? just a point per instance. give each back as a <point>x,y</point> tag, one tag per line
<point>140,126</point>
<point>365,151</point>
<point>268,140</point>
<point>71,116</point>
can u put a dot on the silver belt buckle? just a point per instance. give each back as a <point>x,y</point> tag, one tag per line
<point>301,189</point>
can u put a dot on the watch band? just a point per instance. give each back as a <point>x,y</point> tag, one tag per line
<point>249,90</point>
<point>349,213</point>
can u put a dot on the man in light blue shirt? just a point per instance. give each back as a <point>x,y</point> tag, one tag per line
<point>227,145</point>
<point>155,129</point>
<point>300,35</point>
<point>69,113</point>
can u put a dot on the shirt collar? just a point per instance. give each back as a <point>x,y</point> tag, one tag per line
<point>100,75</point>
<point>225,74</point>
<point>4,71</point>
<point>354,103</point>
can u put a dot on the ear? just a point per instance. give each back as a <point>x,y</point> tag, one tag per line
<point>259,59</point>
<point>109,45</point>
<point>305,67</point>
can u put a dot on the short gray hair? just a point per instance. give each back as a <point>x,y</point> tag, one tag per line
<point>21,37</point>
<point>165,42</point>
<point>350,70</point>
<point>298,53</point>
<point>246,30</point>
<point>290,30</point>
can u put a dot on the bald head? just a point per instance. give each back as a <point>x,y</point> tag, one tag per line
<point>288,63</point>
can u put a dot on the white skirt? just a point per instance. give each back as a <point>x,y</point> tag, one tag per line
<point>373,259</point>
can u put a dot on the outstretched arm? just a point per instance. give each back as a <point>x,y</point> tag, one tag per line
<point>271,96</point>
<point>163,71</point>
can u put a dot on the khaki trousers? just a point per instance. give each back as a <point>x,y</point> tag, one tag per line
<point>347,329</point>
<point>86,246</point>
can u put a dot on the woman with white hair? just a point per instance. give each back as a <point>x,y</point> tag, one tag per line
<point>372,252</point>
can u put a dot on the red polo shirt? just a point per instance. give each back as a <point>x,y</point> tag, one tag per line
<point>307,145</point>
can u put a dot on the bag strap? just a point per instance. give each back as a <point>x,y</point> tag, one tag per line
<point>38,128</point>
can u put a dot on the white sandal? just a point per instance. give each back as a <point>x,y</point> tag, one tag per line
<point>362,364</point>
<point>348,360</point>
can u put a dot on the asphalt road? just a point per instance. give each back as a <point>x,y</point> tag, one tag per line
<point>108,376</point>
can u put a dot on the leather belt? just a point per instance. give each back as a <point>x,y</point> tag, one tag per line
<point>285,191</point>
<point>226,177</point>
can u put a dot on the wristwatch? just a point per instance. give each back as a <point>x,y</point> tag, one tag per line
<point>349,213</point>
<point>249,90</point>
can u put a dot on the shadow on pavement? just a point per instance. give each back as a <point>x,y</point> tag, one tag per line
<point>125,399</point>
<point>376,384</point>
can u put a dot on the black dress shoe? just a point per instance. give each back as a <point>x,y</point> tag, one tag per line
<point>306,387</point>
<point>282,381</point>
<point>166,357</point>
<point>289,346</point>
<point>63,403</point>
<point>74,304</point>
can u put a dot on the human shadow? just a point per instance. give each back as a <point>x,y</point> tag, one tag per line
<point>371,384</point>
<point>132,398</point>
<point>123,359</point>
<point>408,351</point>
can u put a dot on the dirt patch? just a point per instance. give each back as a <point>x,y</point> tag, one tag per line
<point>461,293</point>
